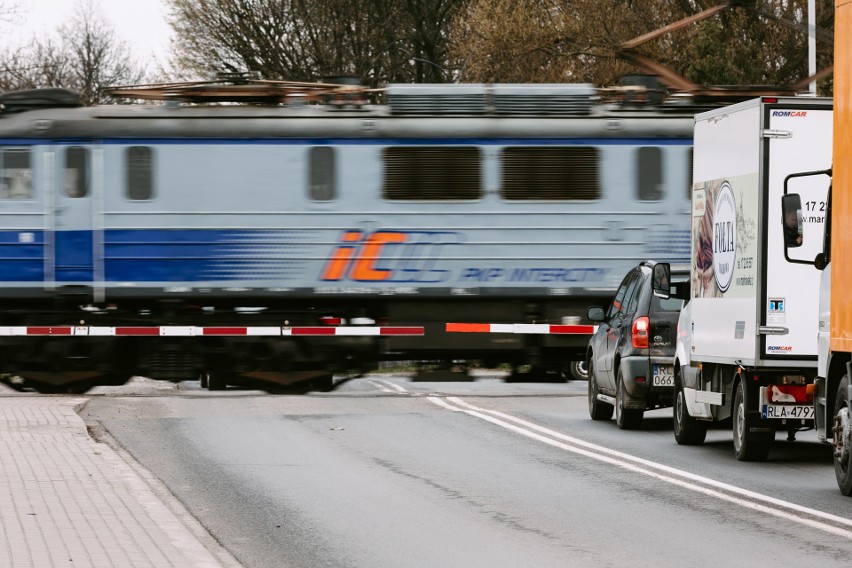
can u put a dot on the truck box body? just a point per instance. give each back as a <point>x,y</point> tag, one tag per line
<point>750,306</point>
<point>747,340</point>
<point>841,238</point>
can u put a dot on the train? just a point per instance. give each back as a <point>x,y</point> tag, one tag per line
<point>272,231</point>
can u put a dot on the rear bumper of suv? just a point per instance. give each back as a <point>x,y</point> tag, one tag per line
<point>639,391</point>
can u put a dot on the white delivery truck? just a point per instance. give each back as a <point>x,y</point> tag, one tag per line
<point>747,339</point>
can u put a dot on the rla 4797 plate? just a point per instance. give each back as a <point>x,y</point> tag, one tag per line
<point>662,376</point>
<point>803,411</point>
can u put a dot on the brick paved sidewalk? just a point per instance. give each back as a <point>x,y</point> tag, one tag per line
<point>67,500</point>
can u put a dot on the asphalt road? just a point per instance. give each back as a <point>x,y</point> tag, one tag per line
<point>386,472</point>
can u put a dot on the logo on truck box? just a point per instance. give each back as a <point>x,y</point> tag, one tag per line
<point>724,237</point>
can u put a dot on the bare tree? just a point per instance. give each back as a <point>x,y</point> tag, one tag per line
<point>85,57</point>
<point>753,42</point>
<point>514,41</point>
<point>376,41</point>
<point>96,58</point>
<point>43,63</point>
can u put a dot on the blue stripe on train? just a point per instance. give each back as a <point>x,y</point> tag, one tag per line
<point>205,255</point>
<point>21,256</point>
<point>156,255</point>
<point>152,255</point>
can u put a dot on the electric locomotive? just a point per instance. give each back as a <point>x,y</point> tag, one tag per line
<point>195,235</point>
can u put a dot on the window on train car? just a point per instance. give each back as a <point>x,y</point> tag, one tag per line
<point>16,177</point>
<point>432,173</point>
<point>322,184</point>
<point>550,173</point>
<point>649,168</point>
<point>140,178</point>
<point>76,171</point>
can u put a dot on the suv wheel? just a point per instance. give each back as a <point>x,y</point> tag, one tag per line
<point>626,418</point>
<point>597,410</point>
<point>687,430</point>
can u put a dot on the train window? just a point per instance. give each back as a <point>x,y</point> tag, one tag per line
<point>76,171</point>
<point>550,173</point>
<point>16,176</point>
<point>649,167</point>
<point>140,179</point>
<point>432,173</point>
<point>321,177</point>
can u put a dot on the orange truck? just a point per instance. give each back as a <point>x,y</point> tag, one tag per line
<point>833,418</point>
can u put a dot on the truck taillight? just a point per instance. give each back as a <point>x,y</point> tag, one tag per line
<point>800,394</point>
<point>640,332</point>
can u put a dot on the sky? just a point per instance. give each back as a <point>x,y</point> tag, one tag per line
<point>139,23</point>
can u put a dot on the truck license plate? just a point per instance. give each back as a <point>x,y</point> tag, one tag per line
<point>803,411</point>
<point>663,376</point>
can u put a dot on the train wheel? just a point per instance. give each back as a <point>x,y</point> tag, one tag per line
<point>324,383</point>
<point>203,379</point>
<point>216,381</point>
<point>579,370</point>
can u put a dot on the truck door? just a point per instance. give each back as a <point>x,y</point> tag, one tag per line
<point>797,140</point>
<point>74,246</point>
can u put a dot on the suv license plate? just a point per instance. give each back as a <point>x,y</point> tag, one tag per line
<point>663,376</point>
<point>803,411</point>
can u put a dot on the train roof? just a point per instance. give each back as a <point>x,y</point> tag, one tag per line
<point>287,109</point>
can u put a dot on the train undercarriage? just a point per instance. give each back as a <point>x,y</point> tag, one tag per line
<point>72,348</point>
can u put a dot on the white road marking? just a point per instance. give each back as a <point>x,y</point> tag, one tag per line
<point>387,386</point>
<point>736,495</point>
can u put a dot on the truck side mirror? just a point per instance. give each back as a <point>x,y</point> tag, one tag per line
<point>661,280</point>
<point>791,207</point>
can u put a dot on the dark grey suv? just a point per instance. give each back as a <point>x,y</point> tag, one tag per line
<point>630,355</point>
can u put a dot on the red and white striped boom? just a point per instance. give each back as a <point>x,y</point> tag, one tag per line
<point>195,331</point>
<point>525,328</point>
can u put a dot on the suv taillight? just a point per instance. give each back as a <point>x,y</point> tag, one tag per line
<point>640,332</point>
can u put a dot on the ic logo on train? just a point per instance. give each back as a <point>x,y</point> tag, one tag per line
<point>389,256</point>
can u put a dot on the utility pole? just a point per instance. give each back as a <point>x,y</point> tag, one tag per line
<point>812,43</point>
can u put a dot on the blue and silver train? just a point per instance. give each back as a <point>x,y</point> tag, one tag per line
<point>444,203</point>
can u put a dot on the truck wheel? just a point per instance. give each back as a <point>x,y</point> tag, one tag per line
<point>626,418</point>
<point>687,430</point>
<point>748,446</point>
<point>597,410</point>
<point>842,450</point>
